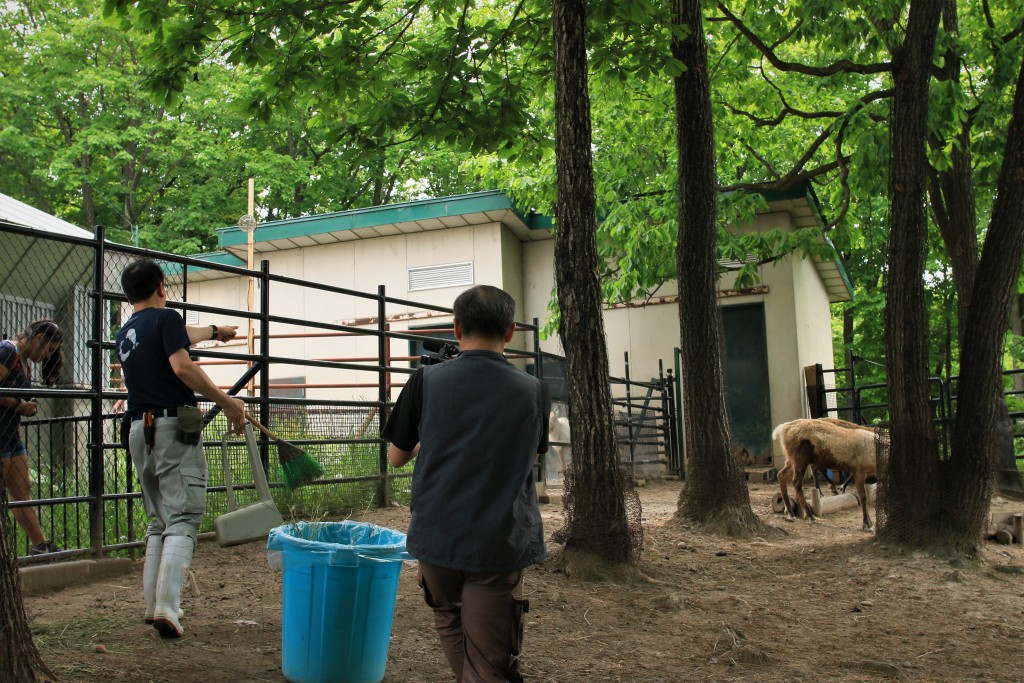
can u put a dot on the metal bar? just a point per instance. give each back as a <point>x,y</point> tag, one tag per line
<point>383,493</point>
<point>284,279</point>
<point>264,359</point>
<point>666,422</point>
<point>235,388</point>
<point>819,379</point>
<point>680,431</point>
<point>629,417</point>
<point>96,424</point>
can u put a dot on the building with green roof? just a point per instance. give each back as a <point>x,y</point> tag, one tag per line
<point>430,250</point>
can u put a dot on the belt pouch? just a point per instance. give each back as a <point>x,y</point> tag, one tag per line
<point>190,425</point>
<point>148,428</point>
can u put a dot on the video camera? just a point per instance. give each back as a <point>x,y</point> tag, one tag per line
<point>440,352</point>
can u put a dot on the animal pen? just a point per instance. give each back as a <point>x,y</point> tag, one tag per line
<point>838,392</point>
<point>83,484</point>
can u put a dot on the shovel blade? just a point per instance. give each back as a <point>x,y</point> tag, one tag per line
<point>248,524</point>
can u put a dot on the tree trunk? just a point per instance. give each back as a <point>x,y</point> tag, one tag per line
<point>596,517</point>
<point>909,476</point>
<point>974,438</point>
<point>20,661</point>
<point>847,330</point>
<point>955,211</point>
<point>715,493</point>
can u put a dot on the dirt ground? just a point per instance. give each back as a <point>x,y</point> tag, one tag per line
<point>817,602</point>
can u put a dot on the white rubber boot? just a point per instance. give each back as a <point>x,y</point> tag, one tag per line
<point>150,572</point>
<point>174,562</point>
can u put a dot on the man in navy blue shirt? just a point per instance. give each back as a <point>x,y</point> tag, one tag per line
<point>165,437</point>
<point>479,423</point>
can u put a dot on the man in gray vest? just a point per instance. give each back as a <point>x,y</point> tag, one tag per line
<point>480,423</point>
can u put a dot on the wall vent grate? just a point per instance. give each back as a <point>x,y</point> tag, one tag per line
<point>438,277</point>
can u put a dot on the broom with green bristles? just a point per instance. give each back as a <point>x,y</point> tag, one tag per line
<point>297,467</point>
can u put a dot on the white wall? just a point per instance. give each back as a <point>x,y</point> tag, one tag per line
<point>797,321</point>
<point>795,304</point>
<point>361,265</point>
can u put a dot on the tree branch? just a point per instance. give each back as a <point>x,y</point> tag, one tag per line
<point>786,183</point>
<point>842,66</point>
<point>764,162</point>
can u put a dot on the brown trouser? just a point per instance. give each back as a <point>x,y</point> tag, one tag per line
<point>479,619</point>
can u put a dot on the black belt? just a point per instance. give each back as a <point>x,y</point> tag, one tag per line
<point>157,412</point>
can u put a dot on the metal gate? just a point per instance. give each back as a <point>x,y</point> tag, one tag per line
<point>837,392</point>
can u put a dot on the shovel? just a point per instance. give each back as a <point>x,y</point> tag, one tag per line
<point>253,522</point>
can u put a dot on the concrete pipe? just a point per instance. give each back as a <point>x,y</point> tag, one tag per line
<point>824,505</point>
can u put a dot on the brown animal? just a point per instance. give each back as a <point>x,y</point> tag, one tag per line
<point>848,425</point>
<point>826,443</point>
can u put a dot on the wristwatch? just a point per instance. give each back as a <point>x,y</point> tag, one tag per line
<point>213,336</point>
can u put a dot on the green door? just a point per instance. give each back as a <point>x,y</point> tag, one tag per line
<point>746,379</point>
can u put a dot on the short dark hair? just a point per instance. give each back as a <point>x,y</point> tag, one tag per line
<point>140,279</point>
<point>485,311</point>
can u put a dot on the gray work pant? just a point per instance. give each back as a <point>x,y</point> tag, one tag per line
<point>479,620</point>
<point>173,476</point>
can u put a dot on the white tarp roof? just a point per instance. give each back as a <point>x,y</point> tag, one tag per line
<point>20,213</point>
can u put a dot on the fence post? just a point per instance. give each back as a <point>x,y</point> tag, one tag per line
<point>665,428</point>
<point>264,404</point>
<point>629,419</point>
<point>96,418</point>
<point>680,432</point>
<point>819,381</point>
<point>382,394</point>
<point>851,369</point>
<point>814,386</point>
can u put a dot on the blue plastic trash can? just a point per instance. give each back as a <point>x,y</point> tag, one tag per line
<point>340,586</point>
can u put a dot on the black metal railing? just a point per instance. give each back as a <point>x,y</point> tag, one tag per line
<point>83,481</point>
<point>645,421</point>
<point>838,392</point>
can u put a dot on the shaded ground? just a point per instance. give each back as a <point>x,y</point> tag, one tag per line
<point>814,604</point>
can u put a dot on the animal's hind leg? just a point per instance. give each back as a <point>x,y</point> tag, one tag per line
<point>862,493</point>
<point>783,477</point>
<point>798,488</point>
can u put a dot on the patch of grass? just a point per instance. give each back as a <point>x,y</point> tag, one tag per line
<point>78,633</point>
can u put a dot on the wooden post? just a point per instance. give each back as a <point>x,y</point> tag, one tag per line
<point>811,386</point>
<point>250,239</point>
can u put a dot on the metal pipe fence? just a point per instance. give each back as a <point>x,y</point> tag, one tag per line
<point>839,393</point>
<point>83,483</point>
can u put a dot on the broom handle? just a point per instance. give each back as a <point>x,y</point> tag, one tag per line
<point>263,429</point>
<point>258,475</point>
<point>232,503</point>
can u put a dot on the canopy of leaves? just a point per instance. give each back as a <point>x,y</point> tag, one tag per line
<point>80,136</point>
<point>367,101</point>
